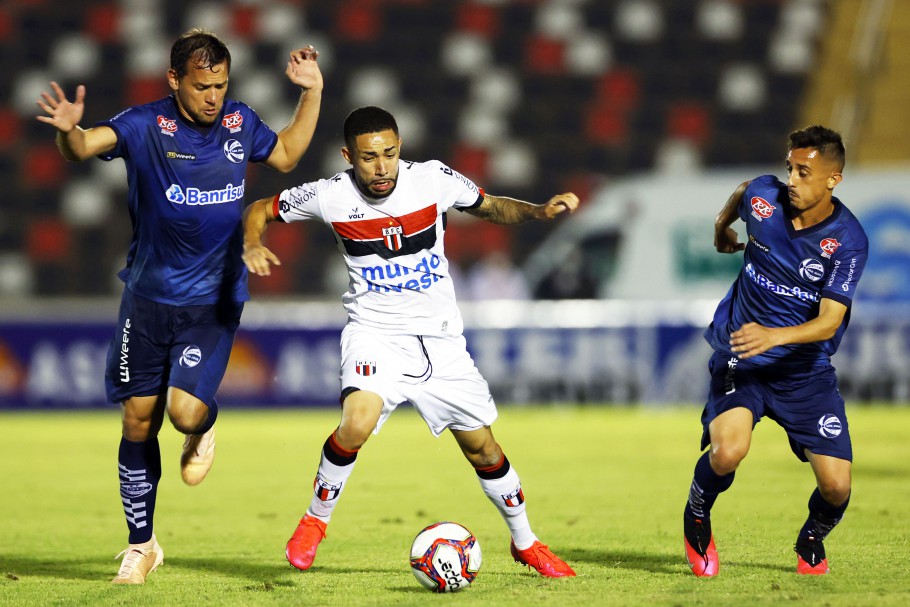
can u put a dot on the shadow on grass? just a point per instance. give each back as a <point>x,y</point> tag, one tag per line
<point>654,562</point>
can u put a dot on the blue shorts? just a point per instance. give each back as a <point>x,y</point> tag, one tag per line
<point>158,345</point>
<point>806,403</point>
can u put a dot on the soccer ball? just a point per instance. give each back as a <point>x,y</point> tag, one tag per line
<point>445,557</point>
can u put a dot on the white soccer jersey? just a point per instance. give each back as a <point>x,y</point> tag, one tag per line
<point>393,247</point>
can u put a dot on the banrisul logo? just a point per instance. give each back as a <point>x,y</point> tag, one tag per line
<point>194,196</point>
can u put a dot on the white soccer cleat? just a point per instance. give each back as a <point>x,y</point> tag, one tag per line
<point>139,560</point>
<point>198,456</point>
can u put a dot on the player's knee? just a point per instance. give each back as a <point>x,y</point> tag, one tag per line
<point>187,419</point>
<point>725,458</point>
<point>354,431</point>
<point>835,491</point>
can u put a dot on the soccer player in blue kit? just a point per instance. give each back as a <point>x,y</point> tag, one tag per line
<point>773,335</point>
<point>186,158</point>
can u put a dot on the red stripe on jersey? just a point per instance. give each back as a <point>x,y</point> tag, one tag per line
<point>371,229</point>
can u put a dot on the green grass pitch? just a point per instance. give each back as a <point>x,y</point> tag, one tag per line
<point>604,486</point>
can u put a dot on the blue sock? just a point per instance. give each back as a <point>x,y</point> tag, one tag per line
<point>140,471</point>
<point>706,486</point>
<point>823,516</point>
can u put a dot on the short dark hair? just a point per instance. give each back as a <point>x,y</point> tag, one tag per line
<point>828,143</point>
<point>201,47</point>
<point>370,119</point>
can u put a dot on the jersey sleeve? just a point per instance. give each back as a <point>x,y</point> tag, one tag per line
<point>298,203</point>
<point>457,190</point>
<point>761,192</point>
<point>846,268</point>
<point>263,140</point>
<point>125,128</point>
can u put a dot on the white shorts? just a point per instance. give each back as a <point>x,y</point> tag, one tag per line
<point>435,374</point>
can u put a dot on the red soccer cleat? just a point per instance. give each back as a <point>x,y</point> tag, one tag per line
<point>700,549</point>
<point>810,557</point>
<point>301,548</point>
<point>539,557</point>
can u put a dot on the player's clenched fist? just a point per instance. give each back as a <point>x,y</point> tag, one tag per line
<point>560,204</point>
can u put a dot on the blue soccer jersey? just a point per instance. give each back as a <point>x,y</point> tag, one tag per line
<point>186,188</point>
<point>786,273</point>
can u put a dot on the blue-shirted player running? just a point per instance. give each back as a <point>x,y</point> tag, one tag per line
<point>186,157</point>
<point>773,336</point>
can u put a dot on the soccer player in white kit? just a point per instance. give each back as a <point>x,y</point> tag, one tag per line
<point>403,340</point>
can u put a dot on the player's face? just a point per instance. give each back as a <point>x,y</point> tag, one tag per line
<point>812,178</point>
<point>375,161</point>
<point>200,93</point>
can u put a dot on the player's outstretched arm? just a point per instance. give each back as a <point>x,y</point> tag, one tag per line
<point>753,339</point>
<point>74,142</point>
<point>503,210</point>
<point>256,256</point>
<point>725,238</point>
<point>295,138</point>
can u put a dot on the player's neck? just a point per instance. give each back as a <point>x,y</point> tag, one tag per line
<point>806,218</point>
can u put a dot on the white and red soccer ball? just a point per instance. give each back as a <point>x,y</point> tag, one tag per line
<point>445,557</point>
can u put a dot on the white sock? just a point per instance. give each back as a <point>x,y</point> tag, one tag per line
<point>506,494</point>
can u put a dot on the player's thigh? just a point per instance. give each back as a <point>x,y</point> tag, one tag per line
<point>372,364</point>
<point>141,417</point>
<point>735,404</point>
<point>456,396</point>
<point>137,359</point>
<point>809,407</point>
<point>201,348</point>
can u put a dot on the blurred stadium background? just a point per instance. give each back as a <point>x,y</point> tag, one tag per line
<point>651,110</point>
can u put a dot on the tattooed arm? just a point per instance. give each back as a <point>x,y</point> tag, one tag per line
<point>503,210</point>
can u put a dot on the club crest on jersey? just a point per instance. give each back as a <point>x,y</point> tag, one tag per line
<point>392,237</point>
<point>829,426</point>
<point>232,121</point>
<point>365,367</point>
<point>829,246</point>
<point>811,269</point>
<point>516,498</point>
<point>325,490</point>
<point>233,151</point>
<point>761,208</point>
<point>168,126</point>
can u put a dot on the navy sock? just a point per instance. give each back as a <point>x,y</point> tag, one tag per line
<point>210,420</point>
<point>706,486</point>
<point>140,471</point>
<point>823,516</point>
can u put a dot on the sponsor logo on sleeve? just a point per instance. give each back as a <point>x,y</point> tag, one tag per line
<point>828,247</point>
<point>761,208</point>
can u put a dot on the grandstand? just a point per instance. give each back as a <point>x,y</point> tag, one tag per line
<point>525,97</point>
